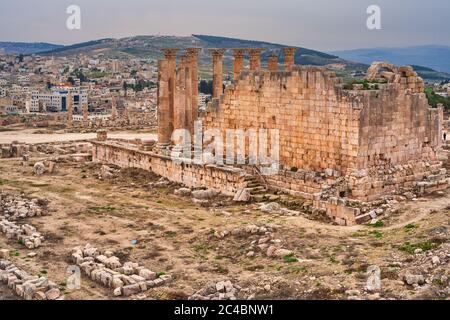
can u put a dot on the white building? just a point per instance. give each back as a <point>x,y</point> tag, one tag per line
<point>32,105</point>
<point>8,109</point>
<point>23,80</point>
<point>2,92</point>
<point>56,100</point>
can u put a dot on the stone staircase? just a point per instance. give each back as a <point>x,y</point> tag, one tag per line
<point>256,187</point>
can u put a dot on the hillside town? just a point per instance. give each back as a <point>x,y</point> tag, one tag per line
<point>38,85</point>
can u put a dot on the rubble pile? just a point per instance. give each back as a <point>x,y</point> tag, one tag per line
<point>222,290</point>
<point>27,286</point>
<point>428,270</point>
<point>125,279</point>
<point>274,207</point>
<point>25,234</point>
<point>265,242</point>
<point>16,206</point>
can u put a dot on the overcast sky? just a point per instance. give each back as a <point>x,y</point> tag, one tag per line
<point>317,24</point>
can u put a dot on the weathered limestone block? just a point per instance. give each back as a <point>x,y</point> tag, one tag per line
<point>26,286</point>
<point>39,168</point>
<point>105,268</point>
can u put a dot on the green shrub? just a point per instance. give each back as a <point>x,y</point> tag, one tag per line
<point>290,258</point>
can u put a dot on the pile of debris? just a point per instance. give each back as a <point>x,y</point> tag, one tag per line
<point>13,150</point>
<point>222,290</point>
<point>275,208</point>
<point>27,286</point>
<point>265,241</point>
<point>25,234</point>
<point>16,206</point>
<point>108,173</point>
<point>428,270</point>
<point>125,279</point>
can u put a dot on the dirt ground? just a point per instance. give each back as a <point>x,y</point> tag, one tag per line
<point>174,235</point>
<point>36,136</point>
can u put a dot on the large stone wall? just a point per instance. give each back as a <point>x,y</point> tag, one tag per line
<point>227,180</point>
<point>322,126</point>
<point>380,140</point>
<point>318,130</point>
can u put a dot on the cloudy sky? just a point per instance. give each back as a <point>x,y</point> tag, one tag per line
<point>317,24</point>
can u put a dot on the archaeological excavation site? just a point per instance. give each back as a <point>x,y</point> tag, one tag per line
<point>290,184</point>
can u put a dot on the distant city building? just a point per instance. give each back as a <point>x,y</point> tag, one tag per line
<point>7,107</point>
<point>32,105</point>
<point>56,100</point>
<point>116,66</point>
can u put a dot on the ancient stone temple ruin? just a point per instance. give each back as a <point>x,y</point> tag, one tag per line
<point>340,145</point>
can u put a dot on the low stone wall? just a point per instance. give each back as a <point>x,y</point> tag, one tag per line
<point>227,180</point>
<point>25,234</point>
<point>105,268</point>
<point>337,210</point>
<point>13,209</point>
<point>302,183</point>
<point>27,286</point>
<point>421,176</point>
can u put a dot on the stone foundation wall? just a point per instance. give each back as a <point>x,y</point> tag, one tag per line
<point>379,139</point>
<point>314,123</point>
<point>224,179</point>
<point>301,183</point>
<point>421,176</point>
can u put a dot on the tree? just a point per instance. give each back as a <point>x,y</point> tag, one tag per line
<point>71,81</point>
<point>205,87</point>
<point>78,73</point>
<point>435,99</point>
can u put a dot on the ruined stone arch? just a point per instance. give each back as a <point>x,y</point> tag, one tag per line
<point>381,70</point>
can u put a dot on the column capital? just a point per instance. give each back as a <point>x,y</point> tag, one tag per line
<point>239,52</point>
<point>217,52</point>
<point>289,51</point>
<point>193,52</point>
<point>170,53</point>
<point>255,51</point>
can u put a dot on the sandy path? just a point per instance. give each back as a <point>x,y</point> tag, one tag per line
<point>28,137</point>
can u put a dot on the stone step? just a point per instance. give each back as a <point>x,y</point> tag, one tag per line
<point>249,178</point>
<point>257,190</point>
<point>253,184</point>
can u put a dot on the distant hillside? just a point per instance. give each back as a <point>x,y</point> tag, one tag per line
<point>79,47</point>
<point>150,47</point>
<point>430,74</point>
<point>27,48</point>
<point>432,56</point>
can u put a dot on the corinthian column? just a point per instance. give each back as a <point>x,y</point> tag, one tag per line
<point>273,62</point>
<point>255,58</point>
<point>180,105</point>
<point>69,110</point>
<point>85,115</point>
<point>164,117</point>
<point>192,54</point>
<point>289,58</point>
<point>217,71</point>
<point>171,58</point>
<point>238,64</point>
